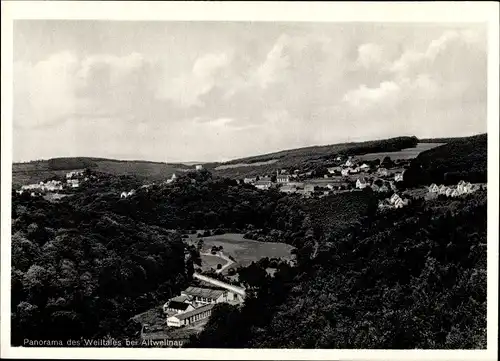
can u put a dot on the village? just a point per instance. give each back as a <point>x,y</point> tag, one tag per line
<point>74,179</point>
<point>344,177</point>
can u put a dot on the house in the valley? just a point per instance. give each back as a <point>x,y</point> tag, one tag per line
<point>400,203</point>
<point>398,177</point>
<point>383,188</point>
<point>350,162</point>
<point>288,188</point>
<point>449,192</point>
<point>442,189</point>
<point>190,317</point>
<point>202,296</point>
<point>455,193</point>
<point>198,167</point>
<point>282,178</point>
<point>364,167</point>
<point>179,304</point>
<point>334,170</point>
<point>263,184</point>
<point>73,183</point>
<point>250,180</point>
<point>345,172</point>
<point>433,188</point>
<point>394,198</point>
<point>172,178</point>
<point>382,172</point>
<point>362,183</point>
<point>309,188</point>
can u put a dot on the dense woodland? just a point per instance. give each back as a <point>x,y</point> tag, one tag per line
<point>414,278</point>
<point>78,273</point>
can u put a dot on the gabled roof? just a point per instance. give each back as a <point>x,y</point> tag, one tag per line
<point>203,292</point>
<point>196,311</point>
<point>178,305</point>
<point>181,298</point>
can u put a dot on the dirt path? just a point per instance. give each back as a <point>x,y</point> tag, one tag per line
<point>220,255</point>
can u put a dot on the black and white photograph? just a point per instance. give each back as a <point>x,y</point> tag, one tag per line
<point>235,184</point>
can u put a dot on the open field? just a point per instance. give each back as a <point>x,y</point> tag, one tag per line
<point>237,165</point>
<point>37,171</point>
<point>407,153</point>
<point>209,261</point>
<point>244,251</point>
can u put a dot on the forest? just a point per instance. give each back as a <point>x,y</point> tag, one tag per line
<point>79,273</point>
<point>460,159</point>
<point>414,278</point>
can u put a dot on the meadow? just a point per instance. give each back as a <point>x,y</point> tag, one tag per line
<point>244,251</point>
<point>407,153</point>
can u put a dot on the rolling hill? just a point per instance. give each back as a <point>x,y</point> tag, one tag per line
<point>460,158</point>
<point>40,170</point>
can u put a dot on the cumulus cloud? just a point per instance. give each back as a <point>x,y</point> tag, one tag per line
<point>187,89</point>
<point>369,55</point>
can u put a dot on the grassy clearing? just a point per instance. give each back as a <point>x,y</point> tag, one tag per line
<point>244,251</point>
<point>408,153</point>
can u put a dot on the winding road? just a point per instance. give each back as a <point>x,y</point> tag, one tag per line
<point>220,255</point>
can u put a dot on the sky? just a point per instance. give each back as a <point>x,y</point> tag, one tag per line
<point>213,91</point>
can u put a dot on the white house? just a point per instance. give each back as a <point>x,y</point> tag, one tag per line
<point>73,183</point>
<point>394,198</point>
<point>398,177</point>
<point>364,167</point>
<point>190,317</point>
<point>179,304</point>
<point>449,191</point>
<point>433,188</point>
<point>282,178</point>
<point>308,188</point>
<point>383,188</point>
<point>383,172</point>
<point>288,189</point>
<point>249,180</point>
<point>400,203</point>
<point>350,162</point>
<point>442,189</point>
<point>345,172</point>
<point>263,184</point>
<point>361,183</point>
<point>198,167</point>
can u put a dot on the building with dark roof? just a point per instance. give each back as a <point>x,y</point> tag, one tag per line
<point>205,295</point>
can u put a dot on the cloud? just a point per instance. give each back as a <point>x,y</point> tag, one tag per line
<point>386,92</point>
<point>186,89</point>
<point>369,55</point>
<point>45,92</point>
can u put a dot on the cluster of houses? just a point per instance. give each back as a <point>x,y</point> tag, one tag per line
<point>73,180</point>
<point>382,186</point>
<point>195,304</point>
<point>352,166</point>
<point>395,201</point>
<point>460,189</point>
